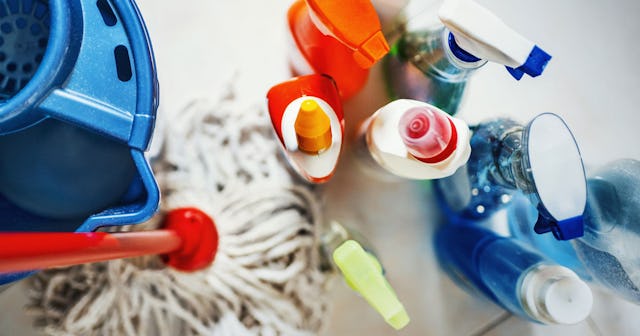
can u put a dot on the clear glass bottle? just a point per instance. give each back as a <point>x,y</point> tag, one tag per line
<point>421,66</point>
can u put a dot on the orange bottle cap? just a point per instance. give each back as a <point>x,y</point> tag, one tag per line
<point>354,23</point>
<point>313,128</point>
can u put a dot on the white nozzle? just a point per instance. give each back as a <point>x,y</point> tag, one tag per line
<point>479,33</point>
<point>555,295</point>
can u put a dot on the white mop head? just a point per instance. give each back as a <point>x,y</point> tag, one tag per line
<point>266,278</point>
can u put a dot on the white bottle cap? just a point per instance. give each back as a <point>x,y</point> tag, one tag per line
<point>388,148</point>
<point>479,34</point>
<point>555,295</point>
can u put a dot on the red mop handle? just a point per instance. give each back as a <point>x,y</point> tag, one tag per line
<point>189,242</point>
<point>28,251</point>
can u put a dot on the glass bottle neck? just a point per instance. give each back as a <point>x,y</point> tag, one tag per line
<point>511,171</point>
<point>429,51</point>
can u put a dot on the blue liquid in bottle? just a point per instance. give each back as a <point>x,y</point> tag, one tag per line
<point>541,161</point>
<point>512,275</point>
<point>479,189</point>
<point>522,216</point>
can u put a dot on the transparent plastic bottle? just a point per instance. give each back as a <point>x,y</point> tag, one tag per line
<point>609,251</point>
<point>540,160</point>
<point>522,216</point>
<point>421,66</point>
<point>512,275</point>
<point>610,248</point>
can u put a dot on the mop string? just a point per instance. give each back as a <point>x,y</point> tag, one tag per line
<point>222,158</point>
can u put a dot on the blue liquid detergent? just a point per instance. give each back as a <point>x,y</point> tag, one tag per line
<point>512,275</point>
<point>478,190</point>
<point>522,216</point>
<point>540,160</point>
<point>433,64</point>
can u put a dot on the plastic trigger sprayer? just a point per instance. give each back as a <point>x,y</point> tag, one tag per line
<point>342,39</point>
<point>433,65</point>
<point>350,253</point>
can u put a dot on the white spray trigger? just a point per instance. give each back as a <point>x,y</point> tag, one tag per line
<point>476,33</point>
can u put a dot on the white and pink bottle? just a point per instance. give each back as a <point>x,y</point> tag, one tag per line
<point>413,140</point>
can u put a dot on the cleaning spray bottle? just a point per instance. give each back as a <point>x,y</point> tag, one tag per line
<point>512,275</point>
<point>610,248</point>
<point>342,39</point>
<point>352,255</point>
<point>433,64</point>
<point>541,160</point>
<point>306,115</point>
<point>414,140</point>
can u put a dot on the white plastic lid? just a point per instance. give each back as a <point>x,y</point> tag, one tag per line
<point>567,300</point>
<point>554,294</point>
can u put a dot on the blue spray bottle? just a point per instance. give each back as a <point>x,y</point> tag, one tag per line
<point>541,160</point>
<point>610,247</point>
<point>512,275</point>
<point>433,64</point>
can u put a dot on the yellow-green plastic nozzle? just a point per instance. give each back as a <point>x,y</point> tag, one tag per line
<point>363,273</point>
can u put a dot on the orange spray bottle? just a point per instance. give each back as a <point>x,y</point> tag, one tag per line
<point>342,39</point>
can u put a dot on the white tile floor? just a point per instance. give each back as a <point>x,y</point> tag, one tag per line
<point>592,81</point>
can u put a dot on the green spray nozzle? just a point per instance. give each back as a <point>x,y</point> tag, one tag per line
<point>363,272</point>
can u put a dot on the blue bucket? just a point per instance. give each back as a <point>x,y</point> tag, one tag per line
<point>78,98</point>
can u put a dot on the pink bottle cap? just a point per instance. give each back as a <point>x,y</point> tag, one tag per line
<point>429,136</point>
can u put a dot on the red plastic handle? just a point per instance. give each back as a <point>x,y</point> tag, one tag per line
<point>189,243</point>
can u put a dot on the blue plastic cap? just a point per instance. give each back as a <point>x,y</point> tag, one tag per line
<point>562,230</point>
<point>460,53</point>
<point>534,66</point>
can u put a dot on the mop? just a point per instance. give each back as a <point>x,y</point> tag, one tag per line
<point>221,157</point>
